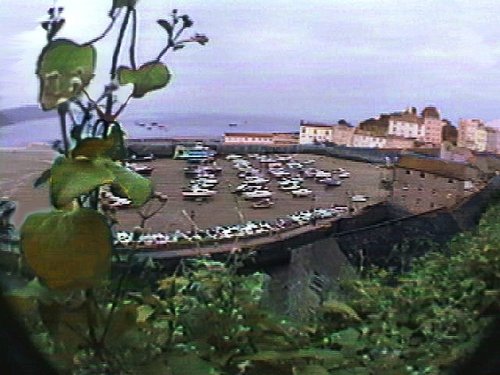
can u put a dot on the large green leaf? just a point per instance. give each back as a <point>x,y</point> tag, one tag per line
<point>113,146</point>
<point>137,188</point>
<point>92,148</point>
<point>67,249</point>
<point>71,178</point>
<point>64,69</point>
<point>149,77</point>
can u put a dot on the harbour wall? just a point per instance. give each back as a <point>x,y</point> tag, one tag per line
<point>165,148</point>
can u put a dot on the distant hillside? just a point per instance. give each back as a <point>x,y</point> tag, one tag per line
<point>25,113</point>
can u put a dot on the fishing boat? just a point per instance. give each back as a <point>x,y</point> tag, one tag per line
<point>143,170</point>
<point>197,152</point>
<point>197,192</point>
<point>302,192</point>
<point>264,203</point>
<point>257,194</point>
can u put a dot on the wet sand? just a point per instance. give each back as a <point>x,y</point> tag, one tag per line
<point>20,167</point>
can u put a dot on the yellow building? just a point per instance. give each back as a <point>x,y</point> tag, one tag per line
<point>311,133</point>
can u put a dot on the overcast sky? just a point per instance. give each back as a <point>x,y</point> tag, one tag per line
<point>312,59</point>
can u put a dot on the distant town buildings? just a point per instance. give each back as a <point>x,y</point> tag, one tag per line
<point>472,134</point>
<point>311,133</point>
<point>433,126</point>
<point>366,138</point>
<point>396,130</point>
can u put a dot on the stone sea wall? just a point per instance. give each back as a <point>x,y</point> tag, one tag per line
<point>165,148</point>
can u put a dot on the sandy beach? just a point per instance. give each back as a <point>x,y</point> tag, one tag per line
<point>20,167</point>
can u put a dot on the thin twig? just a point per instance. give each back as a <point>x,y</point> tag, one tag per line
<point>106,31</point>
<point>133,39</point>
<point>122,107</point>
<point>114,62</point>
<point>171,43</point>
<point>62,109</point>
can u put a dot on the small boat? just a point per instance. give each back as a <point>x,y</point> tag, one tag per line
<point>141,159</point>
<point>302,192</point>
<point>359,198</point>
<point>233,124</point>
<point>143,170</point>
<point>264,203</point>
<point>290,187</point>
<point>322,174</point>
<point>257,194</point>
<point>197,192</point>
<point>344,175</point>
<point>330,182</point>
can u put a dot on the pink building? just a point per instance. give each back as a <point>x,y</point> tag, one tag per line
<point>433,126</point>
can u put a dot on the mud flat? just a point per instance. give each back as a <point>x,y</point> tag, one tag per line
<point>20,167</point>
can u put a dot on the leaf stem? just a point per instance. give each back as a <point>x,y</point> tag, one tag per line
<point>114,62</point>
<point>106,31</point>
<point>171,43</point>
<point>133,40</point>
<point>62,110</point>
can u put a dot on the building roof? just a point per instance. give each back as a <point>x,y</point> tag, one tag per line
<point>459,171</point>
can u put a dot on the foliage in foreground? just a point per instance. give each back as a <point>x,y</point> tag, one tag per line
<point>209,320</point>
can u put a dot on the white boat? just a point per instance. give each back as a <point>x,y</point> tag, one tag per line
<point>359,198</point>
<point>257,194</point>
<point>233,157</point>
<point>322,174</point>
<point>290,187</point>
<point>198,192</point>
<point>344,175</point>
<point>204,180</point>
<point>302,192</point>
<point>252,180</point>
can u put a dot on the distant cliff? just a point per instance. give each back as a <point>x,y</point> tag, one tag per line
<point>11,116</point>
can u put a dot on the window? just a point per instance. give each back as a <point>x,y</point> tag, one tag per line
<point>408,172</point>
<point>422,175</point>
<point>450,181</point>
<point>420,188</point>
<point>434,192</point>
<point>303,130</point>
<point>432,205</point>
<point>315,131</point>
<point>418,201</point>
